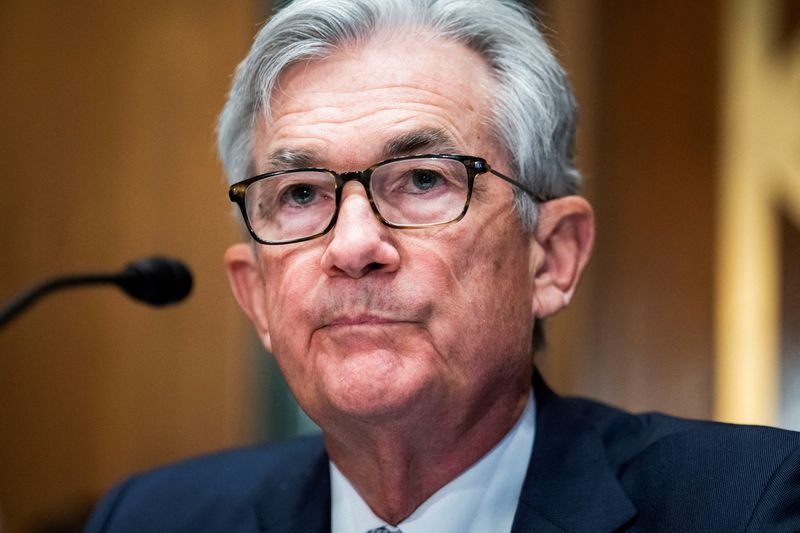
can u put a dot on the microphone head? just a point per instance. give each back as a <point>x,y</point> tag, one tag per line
<point>156,280</point>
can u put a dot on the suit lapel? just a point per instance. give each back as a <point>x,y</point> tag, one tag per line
<point>300,500</point>
<point>569,485</point>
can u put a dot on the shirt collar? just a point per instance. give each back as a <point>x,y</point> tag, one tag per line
<point>482,498</point>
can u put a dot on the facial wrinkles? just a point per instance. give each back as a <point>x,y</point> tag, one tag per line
<point>324,300</point>
<point>339,128</point>
<point>480,258</point>
<point>322,127</point>
<point>379,299</point>
<point>319,300</point>
<point>287,263</point>
<point>429,97</point>
<point>337,104</point>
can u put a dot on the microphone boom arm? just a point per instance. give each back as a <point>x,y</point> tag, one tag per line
<point>31,296</point>
<point>154,280</point>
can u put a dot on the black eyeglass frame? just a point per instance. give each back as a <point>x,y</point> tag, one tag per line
<point>473,165</point>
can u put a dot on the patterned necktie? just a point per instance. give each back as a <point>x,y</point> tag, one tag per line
<point>384,529</point>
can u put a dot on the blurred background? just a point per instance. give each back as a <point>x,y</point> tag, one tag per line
<point>690,143</point>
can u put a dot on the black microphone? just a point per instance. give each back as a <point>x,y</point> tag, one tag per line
<point>155,280</point>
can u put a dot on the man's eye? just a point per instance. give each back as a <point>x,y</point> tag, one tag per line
<point>423,180</point>
<point>301,194</point>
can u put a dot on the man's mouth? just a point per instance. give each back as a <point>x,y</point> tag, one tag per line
<point>363,320</point>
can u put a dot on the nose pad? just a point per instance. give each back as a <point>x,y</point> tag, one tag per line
<point>359,242</point>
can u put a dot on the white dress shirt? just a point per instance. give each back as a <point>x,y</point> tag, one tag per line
<point>482,498</point>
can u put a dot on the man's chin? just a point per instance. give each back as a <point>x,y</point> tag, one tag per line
<point>371,386</point>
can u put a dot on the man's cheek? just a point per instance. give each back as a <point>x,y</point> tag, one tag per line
<point>286,292</point>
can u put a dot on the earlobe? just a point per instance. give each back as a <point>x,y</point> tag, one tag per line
<point>247,285</point>
<point>563,237</point>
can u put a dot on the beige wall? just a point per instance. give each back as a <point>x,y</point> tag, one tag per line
<point>107,113</point>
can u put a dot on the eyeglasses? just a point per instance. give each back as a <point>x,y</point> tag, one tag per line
<point>418,191</point>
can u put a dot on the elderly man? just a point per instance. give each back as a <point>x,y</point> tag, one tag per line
<point>404,168</point>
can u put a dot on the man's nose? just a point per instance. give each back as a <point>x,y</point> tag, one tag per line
<point>359,242</point>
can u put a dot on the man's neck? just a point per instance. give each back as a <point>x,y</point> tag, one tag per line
<point>396,466</point>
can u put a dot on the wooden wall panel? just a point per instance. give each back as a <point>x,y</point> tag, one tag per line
<point>107,151</point>
<point>640,331</point>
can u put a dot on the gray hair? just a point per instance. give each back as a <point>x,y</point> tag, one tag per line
<point>533,115</point>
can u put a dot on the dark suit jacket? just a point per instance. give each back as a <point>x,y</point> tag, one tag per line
<point>593,469</point>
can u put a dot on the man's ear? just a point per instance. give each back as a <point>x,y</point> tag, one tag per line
<point>247,284</point>
<point>564,236</point>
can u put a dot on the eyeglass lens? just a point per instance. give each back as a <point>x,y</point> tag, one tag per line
<point>407,192</point>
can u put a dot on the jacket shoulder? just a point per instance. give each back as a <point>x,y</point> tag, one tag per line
<point>627,435</point>
<point>215,492</point>
<point>746,477</point>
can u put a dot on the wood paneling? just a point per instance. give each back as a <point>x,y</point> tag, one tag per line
<point>107,113</point>
<point>640,334</point>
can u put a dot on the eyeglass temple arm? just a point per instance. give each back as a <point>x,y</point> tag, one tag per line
<point>539,198</point>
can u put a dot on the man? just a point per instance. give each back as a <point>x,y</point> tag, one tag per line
<point>404,168</point>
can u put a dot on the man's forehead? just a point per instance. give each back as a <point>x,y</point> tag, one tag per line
<point>388,98</point>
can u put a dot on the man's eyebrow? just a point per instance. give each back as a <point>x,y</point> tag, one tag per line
<point>286,158</point>
<point>430,140</point>
<point>420,141</point>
